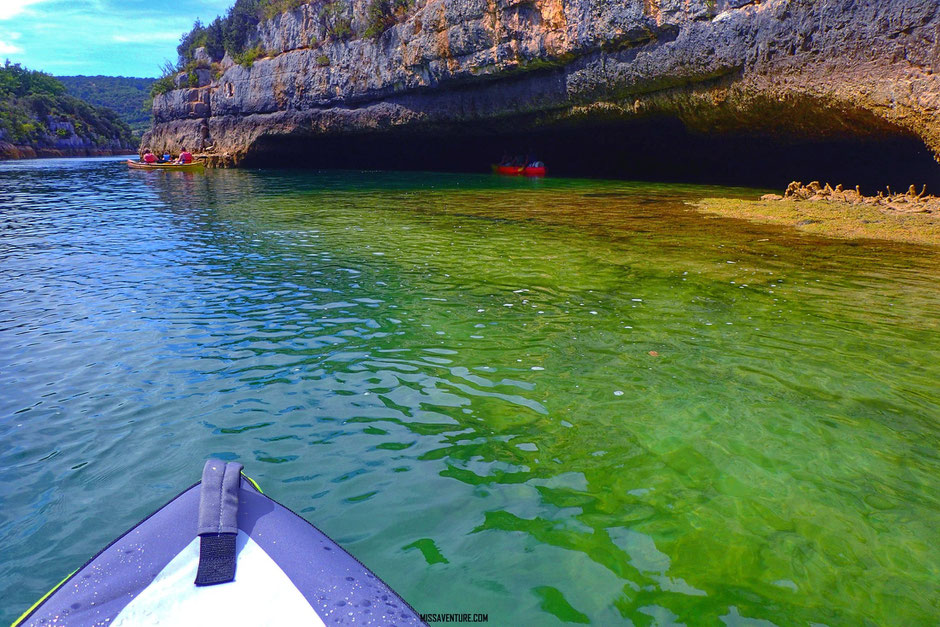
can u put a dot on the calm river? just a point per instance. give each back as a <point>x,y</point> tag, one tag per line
<point>548,401</point>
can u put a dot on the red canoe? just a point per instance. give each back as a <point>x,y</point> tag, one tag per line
<point>518,170</point>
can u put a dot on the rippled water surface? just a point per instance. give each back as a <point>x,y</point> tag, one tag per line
<point>544,400</point>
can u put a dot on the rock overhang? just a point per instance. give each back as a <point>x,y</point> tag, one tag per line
<point>788,72</point>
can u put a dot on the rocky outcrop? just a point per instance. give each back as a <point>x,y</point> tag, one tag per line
<point>910,201</point>
<point>784,69</point>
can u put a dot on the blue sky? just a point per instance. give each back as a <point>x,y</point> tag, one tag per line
<point>111,37</point>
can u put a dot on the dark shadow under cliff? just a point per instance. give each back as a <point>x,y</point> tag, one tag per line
<point>657,150</point>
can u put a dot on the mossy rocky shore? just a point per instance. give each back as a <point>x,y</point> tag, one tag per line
<point>912,216</point>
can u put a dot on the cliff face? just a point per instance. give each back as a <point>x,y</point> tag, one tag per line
<point>784,69</point>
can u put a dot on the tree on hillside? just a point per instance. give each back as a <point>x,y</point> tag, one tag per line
<point>127,96</point>
<point>35,110</point>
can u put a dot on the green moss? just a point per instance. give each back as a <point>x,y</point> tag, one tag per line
<point>531,65</point>
<point>323,60</point>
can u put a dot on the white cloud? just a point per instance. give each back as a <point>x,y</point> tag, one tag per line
<point>9,8</point>
<point>149,37</point>
<point>6,48</point>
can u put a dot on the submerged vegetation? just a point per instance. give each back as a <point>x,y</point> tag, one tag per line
<point>775,462</point>
<point>35,110</point>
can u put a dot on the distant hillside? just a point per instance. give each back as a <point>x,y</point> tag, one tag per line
<point>38,119</point>
<point>126,96</point>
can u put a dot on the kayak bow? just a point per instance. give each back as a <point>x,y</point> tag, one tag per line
<point>222,553</point>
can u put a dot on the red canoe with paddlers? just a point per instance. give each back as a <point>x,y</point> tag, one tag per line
<point>166,167</point>
<point>535,168</point>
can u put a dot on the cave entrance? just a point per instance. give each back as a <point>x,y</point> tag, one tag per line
<point>651,150</point>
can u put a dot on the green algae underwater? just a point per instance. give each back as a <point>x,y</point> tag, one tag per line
<point>547,401</point>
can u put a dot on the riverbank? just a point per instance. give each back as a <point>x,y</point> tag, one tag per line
<point>834,218</point>
<point>11,152</point>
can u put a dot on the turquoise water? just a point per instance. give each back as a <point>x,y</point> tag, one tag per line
<point>452,376</point>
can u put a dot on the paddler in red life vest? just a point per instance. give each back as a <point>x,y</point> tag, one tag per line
<point>185,156</point>
<point>149,157</point>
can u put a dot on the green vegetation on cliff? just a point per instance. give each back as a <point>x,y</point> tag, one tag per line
<point>232,33</point>
<point>229,34</point>
<point>126,96</point>
<point>36,112</point>
<point>383,14</point>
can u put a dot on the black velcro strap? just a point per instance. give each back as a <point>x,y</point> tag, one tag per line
<point>216,559</point>
<point>218,522</point>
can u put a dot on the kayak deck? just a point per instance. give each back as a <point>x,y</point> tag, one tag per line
<point>178,567</point>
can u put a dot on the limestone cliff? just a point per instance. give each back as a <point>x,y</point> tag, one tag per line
<point>774,68</point>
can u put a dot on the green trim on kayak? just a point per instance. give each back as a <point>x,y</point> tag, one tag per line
<point>44,597</point>
<point>253,482</point>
